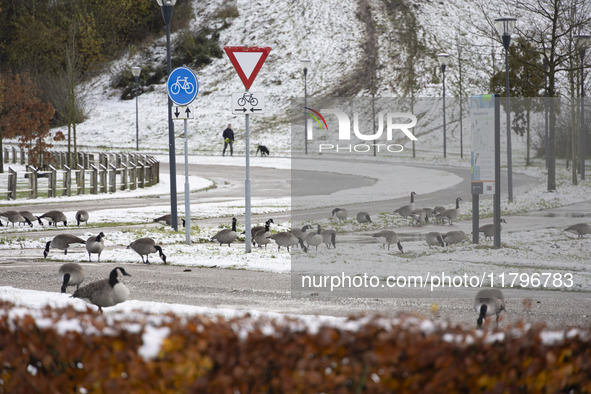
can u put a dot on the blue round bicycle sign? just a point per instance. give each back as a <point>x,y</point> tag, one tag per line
<point>182,86</point>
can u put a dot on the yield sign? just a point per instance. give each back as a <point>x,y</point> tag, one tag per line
<point>247,61</point>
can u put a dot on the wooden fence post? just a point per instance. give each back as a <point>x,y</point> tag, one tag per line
<point>112,178</point>
<point>80,178</point>
<point>22,156</point>
<point>133,177</point>
<point>94,180</point>
<point>11,184</point>
<point>32,181</point>
<point>52,187</point>
<point>141,175</point>
<point>123,176</point>
<point>13,155</point>
<point>103,178</point>
<point>67,181</point>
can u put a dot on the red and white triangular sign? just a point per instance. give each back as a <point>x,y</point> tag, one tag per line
<point>247,61</point>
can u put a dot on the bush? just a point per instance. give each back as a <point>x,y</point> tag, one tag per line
<point>196,49</point>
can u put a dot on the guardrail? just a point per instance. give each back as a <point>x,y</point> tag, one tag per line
<point>95,173</point>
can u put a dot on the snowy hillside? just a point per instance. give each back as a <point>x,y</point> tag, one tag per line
<point>336,35</point>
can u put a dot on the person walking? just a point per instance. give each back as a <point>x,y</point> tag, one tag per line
<point>228,136</point>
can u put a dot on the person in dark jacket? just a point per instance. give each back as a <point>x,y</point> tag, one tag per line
<point>228,136</point>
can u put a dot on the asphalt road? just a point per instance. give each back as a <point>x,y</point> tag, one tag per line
<point>248,290</point>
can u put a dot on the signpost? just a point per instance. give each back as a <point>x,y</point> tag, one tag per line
<point>182,89</point>
<point>485,170</point>
<point>248,62</point>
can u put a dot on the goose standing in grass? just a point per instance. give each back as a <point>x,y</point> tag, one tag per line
<point>580,229</point>
<point>226,236</point>
<point>340,214</point>
<point>15,217</point>
<point>262,237</point>
<point>419,216</point>
<point>167,220</point>
<point>287,239</point>
<point>390,237</point>
<point>302,233</point>
<point>434,238</point>
<point>31,217</point>
<point>54,217</point>
<point>363,217</point>
<point>489,230</point>
<point>70,274</point>
<point>454,237</point>
<point>145,247</point>
<point>437,211</point>
<point>406,210</point>
<point>329,237</point>
<point>314,239</point>
<point>451,214</point>
<point>81,216</point>
<point>256,229</point>
<point>63,242</point>
<point>95,244</point>
<point>105,292</point>
<point>489,302</point>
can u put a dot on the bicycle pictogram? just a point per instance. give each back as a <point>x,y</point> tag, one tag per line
<point>247,97</point>
<point>182,83</point>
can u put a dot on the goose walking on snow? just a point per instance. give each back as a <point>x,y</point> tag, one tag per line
<point>81,216</point>
<point>406,210</point>
<point>167,220</point>
<point>315,239</point>
<point>31,217</point>
<point>302,233</point>
<point>489,302</point>
<point>454,237</point>
<point>106,292</point>
<point>450,214</point>
<point>15,217</point>
<point>580,229</point>
<point>226,236</point>
<point>54,217</point>
<point>329,237</point>
<point>363,217</point>
<point>95,244</point>
<point>145,247</point>
<point>340,214</point>
<point>390,237</point>
<point>256,229</point>
<point>262,237</point>
<point>63,242</point>
<point>287,239</point>
<point>489,229</point>
<point>70,274</point>
<point>434,238</point>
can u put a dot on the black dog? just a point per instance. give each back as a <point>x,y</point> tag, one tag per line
<point>263,149</point>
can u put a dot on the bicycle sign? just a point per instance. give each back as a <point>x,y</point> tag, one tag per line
<point>247,103</point>
<point>182,86</point>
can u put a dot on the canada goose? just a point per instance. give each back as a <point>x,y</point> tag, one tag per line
<point>55,217</point>
<point>428,213</point>
<point>329,237</point>
<point>418,216</point>
<point>580,229</point>
<point>406,210</point>
<point>451,214</point>
<point>390,237</point>
<point>436,211</point>
<point>62,241</point>
<point>95,244</point>
<point>301,234</point>
<point>363,217</point>
<point>488,302</point>
<point>70,274</point>
<point>314,239</point>
<point>15,217</point>
<point>256,229</point>
<point>31,217</point>
<point>287,239</point>
<point>454,237</point>
<point>489,229</point>
<point>226,236</point>
<point>340,213</point>
<point>434,238</point>
<point>167,220</point>
<point>146,246</point>
<point>81,216</point>
<point>262,236</point>
<point>105,292</point>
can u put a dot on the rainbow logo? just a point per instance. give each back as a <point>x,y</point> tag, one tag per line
<point>316,115</point>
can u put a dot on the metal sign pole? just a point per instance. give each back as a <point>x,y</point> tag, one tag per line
<point>497,196</point>
<point>247,186</point>
<point>187,191</point>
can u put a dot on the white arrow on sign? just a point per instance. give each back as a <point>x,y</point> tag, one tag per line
<point>250,103</point>
<point>182,113</point>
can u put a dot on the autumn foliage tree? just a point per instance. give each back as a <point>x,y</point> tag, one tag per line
<point>24,116</point>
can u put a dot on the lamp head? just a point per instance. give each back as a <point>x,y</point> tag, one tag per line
<point>166,2</point>
<point>306,64</point>
<point>442,57</point>
<point>582,42</point>
<point>505,26</point>
<point>135,71</point>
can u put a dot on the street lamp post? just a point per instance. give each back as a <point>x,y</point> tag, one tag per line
<point>545,54</point>
<point>581,44</point>
<point>135,70</point>
<point>166,7</point>
<point>505,27</point>
<point>443,62</point>
<point>305,65</point>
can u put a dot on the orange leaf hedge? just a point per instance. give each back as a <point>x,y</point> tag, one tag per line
<point>64,350</point>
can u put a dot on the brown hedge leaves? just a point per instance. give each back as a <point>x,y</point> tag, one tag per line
<point>254,355</point>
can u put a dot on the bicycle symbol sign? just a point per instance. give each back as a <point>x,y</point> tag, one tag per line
<point>250,103</point>
<point>182,86</point>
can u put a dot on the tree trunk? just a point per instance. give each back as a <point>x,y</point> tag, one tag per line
<point>528,138</point>
<point>551,185</point>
